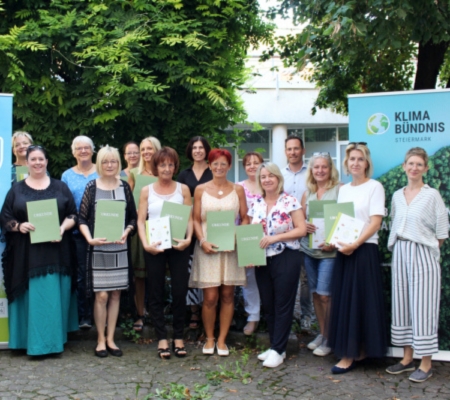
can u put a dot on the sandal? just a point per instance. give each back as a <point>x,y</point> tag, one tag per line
<point>180,352</point>
<point>138,327</point>
<point>164,354</point>
<point>195,323</point>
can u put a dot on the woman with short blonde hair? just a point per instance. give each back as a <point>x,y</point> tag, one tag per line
<point>108,262</point>
<point>419,228</point>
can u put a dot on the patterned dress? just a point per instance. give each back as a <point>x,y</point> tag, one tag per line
<point>110,261</point>
<point>212,270</point>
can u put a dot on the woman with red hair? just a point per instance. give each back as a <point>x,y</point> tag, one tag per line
<point>217,273</point>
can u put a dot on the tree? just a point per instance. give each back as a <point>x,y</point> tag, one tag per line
<point>121,70</point>
<point>367,46</point>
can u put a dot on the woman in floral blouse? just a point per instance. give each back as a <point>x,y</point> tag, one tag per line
<point>283,223</point>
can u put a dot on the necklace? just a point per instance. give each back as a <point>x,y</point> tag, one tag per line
<point>145,169</point>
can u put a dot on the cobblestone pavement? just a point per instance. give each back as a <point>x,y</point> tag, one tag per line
<point>139,374</point>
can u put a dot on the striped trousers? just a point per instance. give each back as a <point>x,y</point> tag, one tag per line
<point>416,290</point>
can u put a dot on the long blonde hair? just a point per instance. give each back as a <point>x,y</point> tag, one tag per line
<point>156,146</point>
<point>311,183</point>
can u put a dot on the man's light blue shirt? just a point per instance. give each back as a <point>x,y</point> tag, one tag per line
<point>295,182</point>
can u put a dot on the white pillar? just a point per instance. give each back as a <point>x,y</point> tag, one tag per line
<point>279,134</point>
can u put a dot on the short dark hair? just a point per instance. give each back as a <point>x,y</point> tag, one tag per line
<point>216,153</point>
<point>252,154</point>
<point>127,144</point>
<point>35,147</point>
<point>290,137</point>
<point>166,153</point>
<point>191,145</point>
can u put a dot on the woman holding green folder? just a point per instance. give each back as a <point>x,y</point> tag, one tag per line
<point>165,164</point>
<point>283,223</point>
<point>322,182</point>
<point>108,263</point>
<point>357,321</point>
<point>217,272</point>
<point>148,147</point>
<point>40,278</point>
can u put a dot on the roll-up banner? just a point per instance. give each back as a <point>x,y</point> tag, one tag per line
<point>5,179</point>
<point>391,123</point>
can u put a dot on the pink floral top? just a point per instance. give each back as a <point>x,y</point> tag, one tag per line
<point>249,196</point>
<point>278,220</point>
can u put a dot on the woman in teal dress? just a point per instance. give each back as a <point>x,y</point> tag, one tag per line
<point>40,278</point>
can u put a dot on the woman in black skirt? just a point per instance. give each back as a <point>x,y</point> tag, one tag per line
<point>358,325</point>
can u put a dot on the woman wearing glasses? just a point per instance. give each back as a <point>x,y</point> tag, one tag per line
<point>322,181</point>
<point>131,156</point>
<point>419,228</point>
<point>108,271</point>
<point>357,323</point>
<point>39,278</point>
<point>76,178</point>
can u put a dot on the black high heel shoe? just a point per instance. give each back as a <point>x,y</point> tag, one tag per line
<point>179,352</point>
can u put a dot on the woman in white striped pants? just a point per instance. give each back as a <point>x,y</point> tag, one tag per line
<point>420,226</point>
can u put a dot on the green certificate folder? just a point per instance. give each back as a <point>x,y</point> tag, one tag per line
<point>331,211</point>
<point>248,250</point>
<point>316,217</point>
<point>179,218</point>
<point>139,183</point>
<point>21,173</point>
<point>220,229</point>
<point>43,214</point>
<point>109,220</point>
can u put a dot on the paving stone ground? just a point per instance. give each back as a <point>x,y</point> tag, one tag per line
<point>139,374</point>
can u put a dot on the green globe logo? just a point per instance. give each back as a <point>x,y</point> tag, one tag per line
<point>377,124</point>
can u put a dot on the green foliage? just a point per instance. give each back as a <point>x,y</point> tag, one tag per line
<point>129,332</point>
<point>182,392</point>
<point>437,177</point>
<point>120,70</point>
<point>231,371</point>
<point>361,46</point>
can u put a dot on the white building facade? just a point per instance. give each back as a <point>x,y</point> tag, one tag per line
<point>281,101</point>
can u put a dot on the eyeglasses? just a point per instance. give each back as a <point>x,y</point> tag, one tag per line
<point>133,153</point>
<point>85,148</point>
<point>112,162</point>
<point>321,154</point>
<point>357,144</point>
<point>34,147</point>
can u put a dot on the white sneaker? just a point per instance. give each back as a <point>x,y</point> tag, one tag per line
<point>263,356</point>
<point>315,343</point>
<point>273,360</point>
<point>323,350</point>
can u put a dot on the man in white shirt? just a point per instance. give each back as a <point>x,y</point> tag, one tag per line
<point>295,184</point>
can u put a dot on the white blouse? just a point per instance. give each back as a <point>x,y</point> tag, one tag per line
<point>424,220</point>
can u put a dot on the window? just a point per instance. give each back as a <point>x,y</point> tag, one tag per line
<point>259,141</point>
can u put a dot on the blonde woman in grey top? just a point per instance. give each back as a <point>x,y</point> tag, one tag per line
<point>419,228</point>
<point>322,181</point>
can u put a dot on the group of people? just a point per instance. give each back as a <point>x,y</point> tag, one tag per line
<point>345,281</point>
